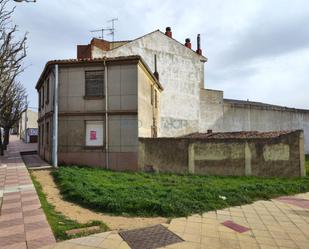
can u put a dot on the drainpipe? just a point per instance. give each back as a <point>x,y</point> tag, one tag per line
<point>55,120</point>
<point>106,116</point>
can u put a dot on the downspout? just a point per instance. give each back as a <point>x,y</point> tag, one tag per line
<point>55,120</point>
<point>106,117</point>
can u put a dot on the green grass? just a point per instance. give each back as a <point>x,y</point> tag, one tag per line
<point>168,195</point>
<point>58,222</point>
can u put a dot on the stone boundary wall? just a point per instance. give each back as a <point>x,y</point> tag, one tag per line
<point>281,156</point>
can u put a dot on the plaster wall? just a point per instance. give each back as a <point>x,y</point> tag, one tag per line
<point>181,74</point>
<point>275,156</point>
<point>219,114</point>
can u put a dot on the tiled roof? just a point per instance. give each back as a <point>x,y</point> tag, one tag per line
<point>237,135</point>
<point>95,60</point>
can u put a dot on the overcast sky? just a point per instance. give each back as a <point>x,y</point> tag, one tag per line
<point>257,50</point>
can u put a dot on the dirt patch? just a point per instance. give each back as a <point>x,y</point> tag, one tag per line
<point>83,215</point>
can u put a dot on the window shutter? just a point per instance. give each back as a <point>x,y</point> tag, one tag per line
<point>94,83</point>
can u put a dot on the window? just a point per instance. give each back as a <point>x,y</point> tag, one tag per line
<point>42,96</point>
<point>94,133</point>
<point>47,91</point>
<point>94,83</point>
<point>42,136</point>
<point>47,133</point>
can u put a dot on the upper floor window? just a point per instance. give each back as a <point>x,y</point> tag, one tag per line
<point>94,83</point>
<point>39,93</point>
<point>43,98</point>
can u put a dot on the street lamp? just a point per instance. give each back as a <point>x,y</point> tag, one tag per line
<point>28,1</point>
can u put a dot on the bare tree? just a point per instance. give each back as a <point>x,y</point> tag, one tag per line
<point>13,108</point>
<point>12,53</point>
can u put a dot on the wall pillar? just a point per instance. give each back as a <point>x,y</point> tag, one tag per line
<point>248,169</point>
<point>191,158</point>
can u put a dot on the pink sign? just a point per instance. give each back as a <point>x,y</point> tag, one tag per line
<point>93,135</point>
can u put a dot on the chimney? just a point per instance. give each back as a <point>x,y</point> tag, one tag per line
<point>168,32</point>
<point>156,74</point>
<point>199,50</point>
<point>188,43</point>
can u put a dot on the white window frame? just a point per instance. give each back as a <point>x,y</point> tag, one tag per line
<point>96,126</point>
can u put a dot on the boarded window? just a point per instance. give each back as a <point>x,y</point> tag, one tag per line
<point>94,83</point>
<point>94,133</point>
<point>47,133</point>
<point>42,136</point>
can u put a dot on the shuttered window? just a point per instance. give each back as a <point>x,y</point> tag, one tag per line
<point>94,83</point>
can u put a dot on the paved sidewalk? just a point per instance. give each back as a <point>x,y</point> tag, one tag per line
<point>22,221</point>
<point>278,223</point>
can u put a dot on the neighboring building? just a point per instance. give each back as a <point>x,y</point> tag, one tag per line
<point>187,107</point>
<point>28,129</point>
<point>104,105</point>
<point>181,73</point>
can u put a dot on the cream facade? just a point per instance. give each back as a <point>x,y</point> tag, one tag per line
<point>101,111</point>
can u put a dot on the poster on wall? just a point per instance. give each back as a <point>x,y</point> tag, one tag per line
<point>93,135</point>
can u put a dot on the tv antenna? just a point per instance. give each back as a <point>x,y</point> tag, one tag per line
<point>109,30</point>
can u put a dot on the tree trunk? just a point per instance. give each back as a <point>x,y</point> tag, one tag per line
<point>6,137</point>
<point>1,144</point>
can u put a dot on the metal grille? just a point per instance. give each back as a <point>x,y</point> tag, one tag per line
<point>150,237</point>
<point>94,83</point>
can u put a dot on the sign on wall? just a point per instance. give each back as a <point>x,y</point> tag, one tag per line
<point>94,133</point>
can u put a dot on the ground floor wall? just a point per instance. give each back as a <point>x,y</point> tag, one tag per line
<point>223,115</point>
<point>281,156</point>
<point>120,147</point>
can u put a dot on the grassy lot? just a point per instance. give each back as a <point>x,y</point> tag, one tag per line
<point>59,223</point>
<point>166,195</point>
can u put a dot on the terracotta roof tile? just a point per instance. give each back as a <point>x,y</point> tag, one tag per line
<point>238,135</point>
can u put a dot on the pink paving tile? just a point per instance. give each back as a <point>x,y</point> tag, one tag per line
<point>8,201</point>
<point>36,218</point>
<point>12,239</point>
<point>38,243</point>
<point>6,205</point>
<point>11,211</point>
<point>31,207</point>
<point>36,225</point>
<point>13,216</point>
<point>21,245</point>
<point>12,230</point>
<point>234,226</point>
<point>34,212</point>
<point>34,234</point>
<point>13,222</point>
<point>303,203</point>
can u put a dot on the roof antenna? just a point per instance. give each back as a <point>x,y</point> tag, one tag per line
<point>110,30</point>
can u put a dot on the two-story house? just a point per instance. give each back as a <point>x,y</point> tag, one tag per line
<point>92,111</point>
